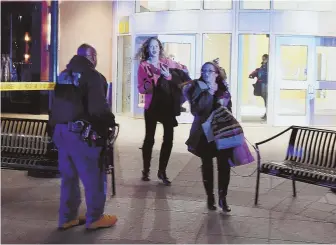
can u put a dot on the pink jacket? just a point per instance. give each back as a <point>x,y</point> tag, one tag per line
<point>147,73</point>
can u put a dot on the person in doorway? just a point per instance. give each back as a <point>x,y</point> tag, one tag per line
<point>205,95</point>
<point>261,86</point>
<point>156,81</point>
<point>79,110</point>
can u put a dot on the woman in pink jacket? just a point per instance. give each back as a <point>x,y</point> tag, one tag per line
<point>155,81</point>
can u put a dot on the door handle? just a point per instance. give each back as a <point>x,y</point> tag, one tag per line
<point>311,89</point>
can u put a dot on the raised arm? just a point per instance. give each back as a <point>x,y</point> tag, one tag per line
<point>254,73</point>
<point>199,102</point>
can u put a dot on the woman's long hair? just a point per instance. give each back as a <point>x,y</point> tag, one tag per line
<point>143,52</point>
<point>221,75</point>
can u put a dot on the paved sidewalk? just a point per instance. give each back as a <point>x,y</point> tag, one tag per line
<point>149,212</point>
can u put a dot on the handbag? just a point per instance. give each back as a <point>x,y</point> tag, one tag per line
<point>230,142</point>
<point>224,129</point>
<point>257,89</point>
<point>241,155</point>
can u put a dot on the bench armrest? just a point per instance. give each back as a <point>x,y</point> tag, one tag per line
<point>265,141</point>
<point>273,137</point>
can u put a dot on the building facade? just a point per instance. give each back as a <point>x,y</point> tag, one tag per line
<point>297,35</point>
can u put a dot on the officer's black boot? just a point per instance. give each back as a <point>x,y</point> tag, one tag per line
<point>222,201</point>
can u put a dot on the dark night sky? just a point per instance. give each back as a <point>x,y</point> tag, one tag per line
<point>17,9</point>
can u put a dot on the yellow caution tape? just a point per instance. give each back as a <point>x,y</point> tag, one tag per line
<point>23,86</point>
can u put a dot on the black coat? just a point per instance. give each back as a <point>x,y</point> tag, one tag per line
<point>168,97</point>
<point>86,101</point>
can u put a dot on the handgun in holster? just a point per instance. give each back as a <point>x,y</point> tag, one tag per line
<point>86,132</point>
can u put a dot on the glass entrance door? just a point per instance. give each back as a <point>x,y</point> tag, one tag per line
<point>182,49</point>
<point>294,80</point>
<point>324,109</point>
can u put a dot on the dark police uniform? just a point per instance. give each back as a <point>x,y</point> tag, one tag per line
<point>80,94</point>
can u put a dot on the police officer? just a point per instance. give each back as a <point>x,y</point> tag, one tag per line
<point>79,104</point>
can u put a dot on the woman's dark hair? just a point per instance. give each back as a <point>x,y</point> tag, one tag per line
<point>143,52</point>
<point>221,75</point>
<point>265,56</point>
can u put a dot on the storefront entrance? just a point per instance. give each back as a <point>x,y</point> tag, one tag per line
<point>305,82</point>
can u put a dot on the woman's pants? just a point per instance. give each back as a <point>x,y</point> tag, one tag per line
<point>166,147</point>
<point>223,168</point>
<point>264,93</point>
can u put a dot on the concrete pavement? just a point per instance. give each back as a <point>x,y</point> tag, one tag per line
<point>149,212</point>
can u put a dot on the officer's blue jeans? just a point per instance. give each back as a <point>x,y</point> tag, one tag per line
<point>79,161</point>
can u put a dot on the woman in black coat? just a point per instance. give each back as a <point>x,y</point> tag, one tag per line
<point>205,95</point>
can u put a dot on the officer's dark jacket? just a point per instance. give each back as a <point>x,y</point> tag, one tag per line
<point>86,101</point>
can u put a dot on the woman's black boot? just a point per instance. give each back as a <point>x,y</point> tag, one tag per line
<point>211,202</point>
<point>222,203</point>
<point>145,175</point>
<point>162,176</point>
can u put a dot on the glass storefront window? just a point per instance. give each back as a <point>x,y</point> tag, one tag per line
<point>217,4</point>
<point>326,63</point>
<point>326,58</point>
<point>306,5</point>
<point>166,5</point>
<point>218,46</point>
<point>255,4</point>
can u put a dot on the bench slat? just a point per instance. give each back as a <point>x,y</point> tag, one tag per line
<point>26,144</point>
<point>307,146</point>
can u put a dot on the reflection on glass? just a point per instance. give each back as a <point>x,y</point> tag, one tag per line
<point>251,49</point>
<point>124,63</point>
<point>306,5</point>
<point>325,109</point>
<point>292,102</point>
<point>325,102</point>
<point>254,4</point>
<point>166,5</point>
<point>326,63</point>
<point>218,46</point>
<point>180,52</point>
<point>294,62</point>
<point>217,4</point>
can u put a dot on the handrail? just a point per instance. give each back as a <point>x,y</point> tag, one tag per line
<point>273,137</point>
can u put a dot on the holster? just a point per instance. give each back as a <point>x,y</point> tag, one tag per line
<point>88,135</point>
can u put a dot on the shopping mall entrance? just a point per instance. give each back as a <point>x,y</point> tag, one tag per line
<point>300,74</point>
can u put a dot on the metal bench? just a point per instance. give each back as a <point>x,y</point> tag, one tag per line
<point>311,158</point>
<point>26,145</point>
